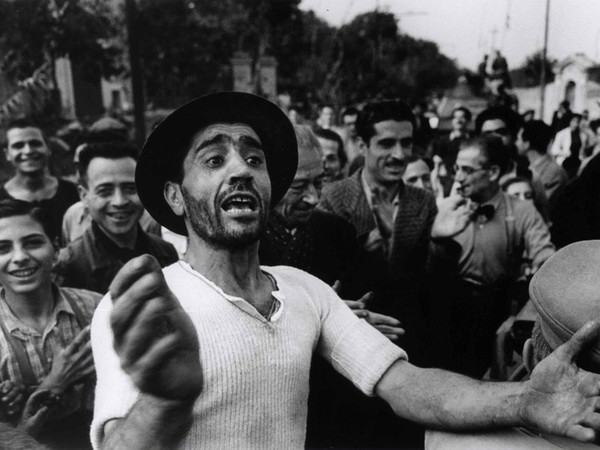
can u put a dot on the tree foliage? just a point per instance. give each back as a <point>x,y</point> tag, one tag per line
<point>530,71</point>
<point>186,47</point>
<point>38,31</point>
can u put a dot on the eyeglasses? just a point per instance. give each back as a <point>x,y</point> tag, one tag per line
<point>503,131</point>
<point>467,170</point>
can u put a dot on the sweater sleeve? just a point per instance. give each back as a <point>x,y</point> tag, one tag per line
<point>354,348</point>
<point>115,392</point>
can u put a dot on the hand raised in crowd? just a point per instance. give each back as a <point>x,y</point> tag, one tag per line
<point>454,215</point>
<point>36,411</point>
<point>386,325</point>
<point>11,399</point>
<point>70,364</point>
<point>154,337</point>
<point>560,397</point>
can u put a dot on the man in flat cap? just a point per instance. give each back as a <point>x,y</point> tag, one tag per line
<point>214,351</point>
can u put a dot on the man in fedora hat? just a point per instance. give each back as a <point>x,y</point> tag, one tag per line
<point>214,351</point>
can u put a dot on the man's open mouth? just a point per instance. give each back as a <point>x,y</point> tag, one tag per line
<point>240,203</point>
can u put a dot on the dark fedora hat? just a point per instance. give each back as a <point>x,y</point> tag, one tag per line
<point>162,156</point>
<point>566,294</point>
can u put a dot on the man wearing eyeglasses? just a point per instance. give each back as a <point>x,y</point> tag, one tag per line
<point>491,246</point>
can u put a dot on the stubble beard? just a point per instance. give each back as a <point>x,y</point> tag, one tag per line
<point>208,225</point>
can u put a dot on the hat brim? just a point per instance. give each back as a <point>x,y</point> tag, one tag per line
<point>161,157</point>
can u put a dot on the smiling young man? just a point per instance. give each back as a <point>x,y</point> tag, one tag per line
<point>27,151</point>
<point>107,189</point>
<point>44,342</point>
<point>214,351</point>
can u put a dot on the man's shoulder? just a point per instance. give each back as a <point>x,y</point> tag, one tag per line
<point>343,188</point>
<point>521,210</point>
<point>294,277</point>
<point>74,251</point>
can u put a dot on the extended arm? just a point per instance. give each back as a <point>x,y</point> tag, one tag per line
<point>559,398</point>
<point>157,347</point>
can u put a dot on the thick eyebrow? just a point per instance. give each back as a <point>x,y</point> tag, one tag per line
<point>223,138</point>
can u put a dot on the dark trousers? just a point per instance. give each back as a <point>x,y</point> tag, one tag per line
<point>476,314</point>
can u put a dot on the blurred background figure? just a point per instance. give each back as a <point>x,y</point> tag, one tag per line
<point>334,157</point>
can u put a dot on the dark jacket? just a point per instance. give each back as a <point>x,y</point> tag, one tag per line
<point>92,260</point>
<point>398,282</point>
<point>326,247</point>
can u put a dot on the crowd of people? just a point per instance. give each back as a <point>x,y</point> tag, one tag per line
<point>190,292</point>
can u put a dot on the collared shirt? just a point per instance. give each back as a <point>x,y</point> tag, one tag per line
<point>92,261</point>
<point>486,252</point>
<point>375,239</point>
<point>61,329</point>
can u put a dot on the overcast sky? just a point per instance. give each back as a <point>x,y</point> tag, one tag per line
<point>464,29</point>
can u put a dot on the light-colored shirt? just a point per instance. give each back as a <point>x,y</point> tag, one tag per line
<point>256,370</point>
<point>485,257</point>
<point>375,240</point>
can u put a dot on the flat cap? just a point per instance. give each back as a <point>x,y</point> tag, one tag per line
<point>566,294</point>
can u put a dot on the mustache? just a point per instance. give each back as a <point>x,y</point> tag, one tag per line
<point>241,186</point>
<point>397,162</point>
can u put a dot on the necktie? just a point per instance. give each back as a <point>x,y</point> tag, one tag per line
<point>485,210</point>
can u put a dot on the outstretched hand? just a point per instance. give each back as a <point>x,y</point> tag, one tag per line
<point>561,398</point>
<point>454,214</point>
<point>154,337</point>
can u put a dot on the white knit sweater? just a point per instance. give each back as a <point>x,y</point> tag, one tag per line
<point>255,371</point>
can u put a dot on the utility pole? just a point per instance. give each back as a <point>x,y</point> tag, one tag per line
<point>137,81</point>
<point>544,53</point>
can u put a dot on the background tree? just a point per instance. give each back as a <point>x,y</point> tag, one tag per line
<point>528,74</point>
<point>39,31</point>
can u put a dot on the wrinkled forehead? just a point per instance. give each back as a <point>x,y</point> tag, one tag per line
<point>225,131</point>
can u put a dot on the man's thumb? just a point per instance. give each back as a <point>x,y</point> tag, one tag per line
<point>571,349</point>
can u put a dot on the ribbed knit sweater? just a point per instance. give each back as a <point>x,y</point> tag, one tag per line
<point>255,370</point>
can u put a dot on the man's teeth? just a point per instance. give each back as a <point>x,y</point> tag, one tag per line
<point>23,273</point>
<point>239,204</point>
<point>119,216</point>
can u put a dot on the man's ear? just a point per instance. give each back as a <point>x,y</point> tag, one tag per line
<point>174,197</point>
<point>82,192</point>
<point>494,172</point>
<point>362,146</point>
<point>528,356</point>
